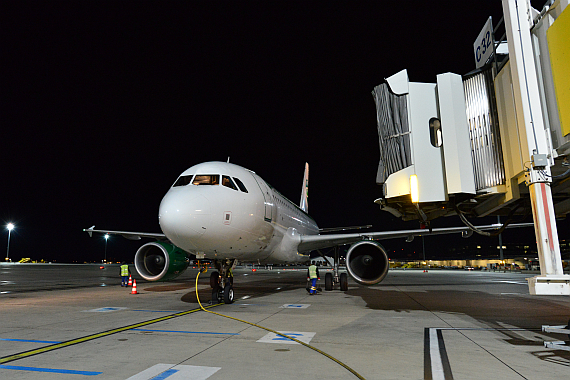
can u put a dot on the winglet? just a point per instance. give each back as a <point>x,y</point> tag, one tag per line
<point>304,205</point>
<point>89,230</point>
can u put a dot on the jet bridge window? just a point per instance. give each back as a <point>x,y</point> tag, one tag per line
<point>227,181</point>
<point>435,132</point>
<point>206,179</point>
<point>240,185</point>
<point>183,180</point>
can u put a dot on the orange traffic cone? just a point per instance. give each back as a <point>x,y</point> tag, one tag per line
<point>130,280</point>
<point>134,291</point>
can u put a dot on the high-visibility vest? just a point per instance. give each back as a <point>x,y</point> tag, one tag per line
<point>313,271</point>
<point>124,270</point>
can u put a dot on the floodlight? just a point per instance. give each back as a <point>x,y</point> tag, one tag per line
<point>10,227</point>
<point>414,191</point>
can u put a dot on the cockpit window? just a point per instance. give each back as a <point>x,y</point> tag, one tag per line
<point>227,181</point>
<point>206,179</point>
<point>240,185</point>
<point>183,180</point>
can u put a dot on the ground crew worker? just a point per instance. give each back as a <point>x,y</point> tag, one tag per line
<point>124,274</point>
<point>313,275</point>
<point>230,273</point>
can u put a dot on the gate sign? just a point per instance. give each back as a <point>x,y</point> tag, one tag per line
<point>483,45</point>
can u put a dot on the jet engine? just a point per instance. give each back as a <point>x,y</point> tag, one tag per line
<point>160,261</point>
<point>367,262</point>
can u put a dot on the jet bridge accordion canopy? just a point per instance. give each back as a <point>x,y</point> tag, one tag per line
<point>486,152</point>
<point>393,131</point>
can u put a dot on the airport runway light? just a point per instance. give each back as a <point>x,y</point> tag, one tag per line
<point>10,227</point>
<point>106,238</point>
<point>414,192</point>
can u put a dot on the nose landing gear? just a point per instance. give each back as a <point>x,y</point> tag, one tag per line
<point>222,282</point>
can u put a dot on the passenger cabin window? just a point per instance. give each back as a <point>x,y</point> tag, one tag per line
<point>240,185</point>
<point>206,179</point>
<point>183,180</point>
<point>227,182</point>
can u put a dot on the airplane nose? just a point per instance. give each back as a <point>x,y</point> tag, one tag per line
<point>183,216</point>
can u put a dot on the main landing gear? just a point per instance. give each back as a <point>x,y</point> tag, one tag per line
<point>222,281</point>
<point>334,278</point>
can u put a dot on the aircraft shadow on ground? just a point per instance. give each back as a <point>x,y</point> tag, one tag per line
<point>253,289</point>
<point>493,311</point>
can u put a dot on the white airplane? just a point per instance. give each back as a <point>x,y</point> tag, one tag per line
<point>223,212</point>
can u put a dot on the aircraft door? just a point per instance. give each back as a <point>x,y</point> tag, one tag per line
<point>266,197</point>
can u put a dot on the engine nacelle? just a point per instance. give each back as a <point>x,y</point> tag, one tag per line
<point>367,262</point>
<point>160,261</point>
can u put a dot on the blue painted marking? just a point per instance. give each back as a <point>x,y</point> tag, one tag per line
<point>186,332</point>
<point>294,305</point>
<point>51,370</point>
<point>165,374</point>
<point>29,340</point>
<point>283,338</point>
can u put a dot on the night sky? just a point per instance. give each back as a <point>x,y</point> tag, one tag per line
<point>104,104</point>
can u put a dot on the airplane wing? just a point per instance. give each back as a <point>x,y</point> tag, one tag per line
<point>314,242</point>
<point>126,234</point>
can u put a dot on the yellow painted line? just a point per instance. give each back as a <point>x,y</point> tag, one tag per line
<point>68,343</point>
<point>280,334</point>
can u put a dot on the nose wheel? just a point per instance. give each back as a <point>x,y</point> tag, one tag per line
<point>216,296</point>
<point>228,293</point>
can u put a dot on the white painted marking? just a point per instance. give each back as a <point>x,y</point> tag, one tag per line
<point>295,306</point>
<point>245,297</point>
<point>304,337</point>
<point>435,357</point>
<point>104,309</point>
<point>179,372</point>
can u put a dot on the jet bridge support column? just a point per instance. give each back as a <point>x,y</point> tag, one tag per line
<point>518,21</point>
<point>552,279</point>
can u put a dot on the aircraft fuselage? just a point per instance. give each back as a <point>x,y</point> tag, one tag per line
<point>218,210</point>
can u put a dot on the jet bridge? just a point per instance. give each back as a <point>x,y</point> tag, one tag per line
<point>495,141</point>
<point>464,137</point>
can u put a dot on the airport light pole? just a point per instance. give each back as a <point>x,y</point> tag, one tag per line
<point>10,227</point>
<point>106,238</point>
<point>501,257</point>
